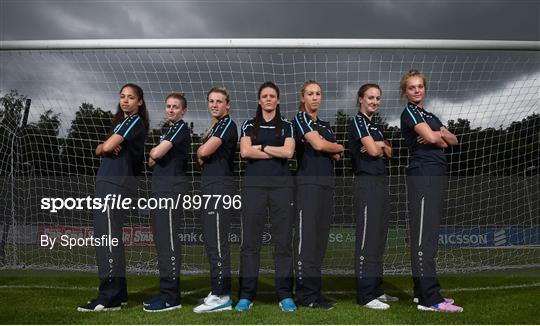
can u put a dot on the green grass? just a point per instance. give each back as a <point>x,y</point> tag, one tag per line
<point>47,297</point>
<point>339,256</point>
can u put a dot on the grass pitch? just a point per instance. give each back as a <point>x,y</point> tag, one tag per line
<point>48,297</point>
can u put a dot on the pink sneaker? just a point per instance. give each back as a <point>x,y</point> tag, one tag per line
<point>448,300</point>
<point>442,307</point>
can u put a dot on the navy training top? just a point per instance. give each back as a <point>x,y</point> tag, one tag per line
<point>118,168</point>
<point>174,162</point>
<point>363,163</point>
<point>261,170</point>
<point>421,153</point>
<point>314,167</point>
<point>220,163</point>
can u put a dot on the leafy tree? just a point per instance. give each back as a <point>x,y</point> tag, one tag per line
<point>90,127</point>
<point>11,107</point>
<point>341,124</point>
<point>41,145</point>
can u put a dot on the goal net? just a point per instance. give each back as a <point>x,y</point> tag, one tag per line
<point>488,94</point>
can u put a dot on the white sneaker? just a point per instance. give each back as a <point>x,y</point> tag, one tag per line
<point>214,303</point>
<point>387,298</point>
<point>377,304</point>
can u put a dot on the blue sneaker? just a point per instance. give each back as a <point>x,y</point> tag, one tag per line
<point>151,300</point>
<point>287,305</point>
<point>161,305</point>
<point>243,305</point>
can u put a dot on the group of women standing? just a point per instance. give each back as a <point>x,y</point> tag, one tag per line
<point>267,142</point>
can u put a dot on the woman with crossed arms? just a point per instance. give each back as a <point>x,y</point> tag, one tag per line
<point>426,138</point>
<point>267,143</point>
<point>316,149</point>
<point>371,203</point>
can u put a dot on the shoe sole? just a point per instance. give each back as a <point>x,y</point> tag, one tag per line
<point>123,303</point>
<point>286,310</point>
<point>213,310</point>
<point>424,308</point>
<point>319,308</point>
<point>80,309</point>
<point>164,309</point>
<point>376,308</point>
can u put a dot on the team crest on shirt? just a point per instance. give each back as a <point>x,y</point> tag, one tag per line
<point>329,130</point>
<point>426,115</point>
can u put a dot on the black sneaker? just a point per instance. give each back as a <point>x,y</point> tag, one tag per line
<point>331,302</point>
<point>124,299</point>
<point>123,303</point>
<point>319,304</point>
<point>97,305</point>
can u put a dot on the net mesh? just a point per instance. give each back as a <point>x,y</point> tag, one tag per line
<point>489,99</point>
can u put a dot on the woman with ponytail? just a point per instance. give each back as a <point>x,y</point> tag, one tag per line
<point>267,143</point>
<point>123,156</point>
<point>317,149</point>
<point>216,156</point>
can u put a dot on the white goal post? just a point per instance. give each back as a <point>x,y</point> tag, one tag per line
<point>271,43</point>
<point>486,91</point>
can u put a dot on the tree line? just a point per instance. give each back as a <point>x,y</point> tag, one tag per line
<point>37,149</point>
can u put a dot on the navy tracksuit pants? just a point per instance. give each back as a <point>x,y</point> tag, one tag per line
<point>314,205</point>
<point>111,260</point>
<point>166,229</point>
<point>372,210</point>
<point>216,223</point>
<point>257,204</point>
<point>426,188</point>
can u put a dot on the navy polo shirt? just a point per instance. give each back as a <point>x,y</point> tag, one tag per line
<point>314,167</point>
<point>421,153</point>
<point>221,162</point>
<point>116,168</point>
<point>363,163</point>
<point>174,162</point>
<point>263,170</point>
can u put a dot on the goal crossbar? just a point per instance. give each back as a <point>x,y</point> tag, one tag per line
<point>324,43</point>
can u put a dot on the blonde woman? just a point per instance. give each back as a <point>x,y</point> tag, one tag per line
<point>426,138</point>
<point>316,149</point>
<point>216,155</point>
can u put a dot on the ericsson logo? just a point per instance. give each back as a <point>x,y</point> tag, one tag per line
<point>500,237</point>
<point>463,239</point>
<point>475,237</point>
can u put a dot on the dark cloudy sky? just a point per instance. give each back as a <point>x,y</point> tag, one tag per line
<point>445,19</point>
<point>488,88</point>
